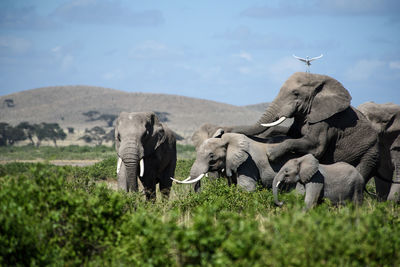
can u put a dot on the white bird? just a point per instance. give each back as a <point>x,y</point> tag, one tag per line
<point>307,60</point>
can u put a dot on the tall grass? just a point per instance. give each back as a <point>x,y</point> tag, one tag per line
<point>72,152</point>
<point>53,215</point>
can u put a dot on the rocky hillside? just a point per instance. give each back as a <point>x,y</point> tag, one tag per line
<point>66,105</point>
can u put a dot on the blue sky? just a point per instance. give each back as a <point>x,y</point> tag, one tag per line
<point>236,52</point>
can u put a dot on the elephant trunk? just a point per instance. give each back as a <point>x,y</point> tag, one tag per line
<point>269,116</point>
<point>131,158</point>
<point>275,188</point>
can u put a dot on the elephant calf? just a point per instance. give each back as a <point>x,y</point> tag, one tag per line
<point>338,182</point>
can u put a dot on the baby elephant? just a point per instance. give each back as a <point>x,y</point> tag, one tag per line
<point>338,182</point>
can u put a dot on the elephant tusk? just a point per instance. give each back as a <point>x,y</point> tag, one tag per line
<point>281,119</point>
<point>277,184</point>
<point>186,181</point>
<point>141,166</point>
<point>119,164</point>
<point>207,174</point>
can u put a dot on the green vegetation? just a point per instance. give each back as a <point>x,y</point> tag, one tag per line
<point>64,215</point>
<point>73,152</point>
<point>55,153</point>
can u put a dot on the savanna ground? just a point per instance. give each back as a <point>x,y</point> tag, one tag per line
<point>68,215</point>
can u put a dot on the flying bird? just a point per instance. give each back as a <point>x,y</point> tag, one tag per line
<point>308,60</point>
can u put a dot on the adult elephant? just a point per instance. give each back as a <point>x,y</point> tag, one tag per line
<point>325,124</point>
<point>385,118</point>
<point>145,148</point>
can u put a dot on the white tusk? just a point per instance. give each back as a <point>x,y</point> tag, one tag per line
<point>188,181</point>
<point>141,166</point>
<point>207,174</point>
<point>281,119</point>
<point>119,164</point>
<point>277,184</point>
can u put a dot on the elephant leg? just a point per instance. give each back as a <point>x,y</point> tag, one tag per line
<point>247,183</point>
<point>394,194</point>
<point>122,183</point>
<point>150,191</point>
<point>313,194</point>
<point>165,182</point>
<point>385,174</point>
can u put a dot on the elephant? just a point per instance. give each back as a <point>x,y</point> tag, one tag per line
<point>208,130</point>
<point>325,124</point>
<point>244,160</point>
<point>385,118</point>
<point>145,148</point>
<point>337,182</point>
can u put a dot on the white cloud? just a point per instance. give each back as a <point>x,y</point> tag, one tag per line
<point>364,69</point>
<point>113,75</point>
<point>154,50</point>
<point>394,65</point>
<point>244,55</point>
<point>16,45</point>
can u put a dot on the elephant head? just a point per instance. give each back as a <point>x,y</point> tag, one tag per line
<point>306,96</point>
<point>385,118</point>
<point>295,170</point>
<point>205,132</point>
<point>222,151</point>
<point>137,135</point>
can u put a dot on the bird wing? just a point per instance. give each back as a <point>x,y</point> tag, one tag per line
<point>314,58</point>
<point>300,58</point>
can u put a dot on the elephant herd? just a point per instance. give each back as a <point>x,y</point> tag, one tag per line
<point>328,150</point>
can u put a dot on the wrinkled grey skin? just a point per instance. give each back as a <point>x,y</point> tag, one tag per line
<point>338,182</point>
<point>208,130</point>
<point>325,124</point>
<point>243,158</point>
<point>385,118</point>
<point>141,136</point>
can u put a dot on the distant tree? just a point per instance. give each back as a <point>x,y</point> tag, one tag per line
<point>95,134</point>
<point>28,129</point>
<point>9,134</point>
<point>49,131</point>
<point>92,115</point>
<point>9,103</point>
<point>71,130</point>
<point>4,131</point>
<point>108,118</point>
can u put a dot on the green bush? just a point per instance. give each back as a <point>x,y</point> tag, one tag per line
<point>53,215</point>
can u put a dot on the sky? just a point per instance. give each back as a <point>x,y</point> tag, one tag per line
<point>230,51</point>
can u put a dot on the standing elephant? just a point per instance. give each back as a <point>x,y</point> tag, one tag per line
<point>145,148</point>
<point>385,118</point>
<point>325,124</point>
<point>243,158</point>
<point>338,182</point>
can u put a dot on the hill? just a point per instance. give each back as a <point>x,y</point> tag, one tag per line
<point>66,104</point>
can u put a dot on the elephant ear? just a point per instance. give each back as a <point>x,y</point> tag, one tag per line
<point>157,130</point>
<point>308,167</point>
<point>330,97</point>
<point>237,152</point>
<point>394,123</point>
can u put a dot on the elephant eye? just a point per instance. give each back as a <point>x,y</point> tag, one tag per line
<point>296,93</point>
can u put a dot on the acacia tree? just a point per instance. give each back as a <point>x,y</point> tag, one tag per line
<point>49,131</point>
<point>98,135</point>
<point>9,134</point>
<point>108,118</point>
<point>28,129</point>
